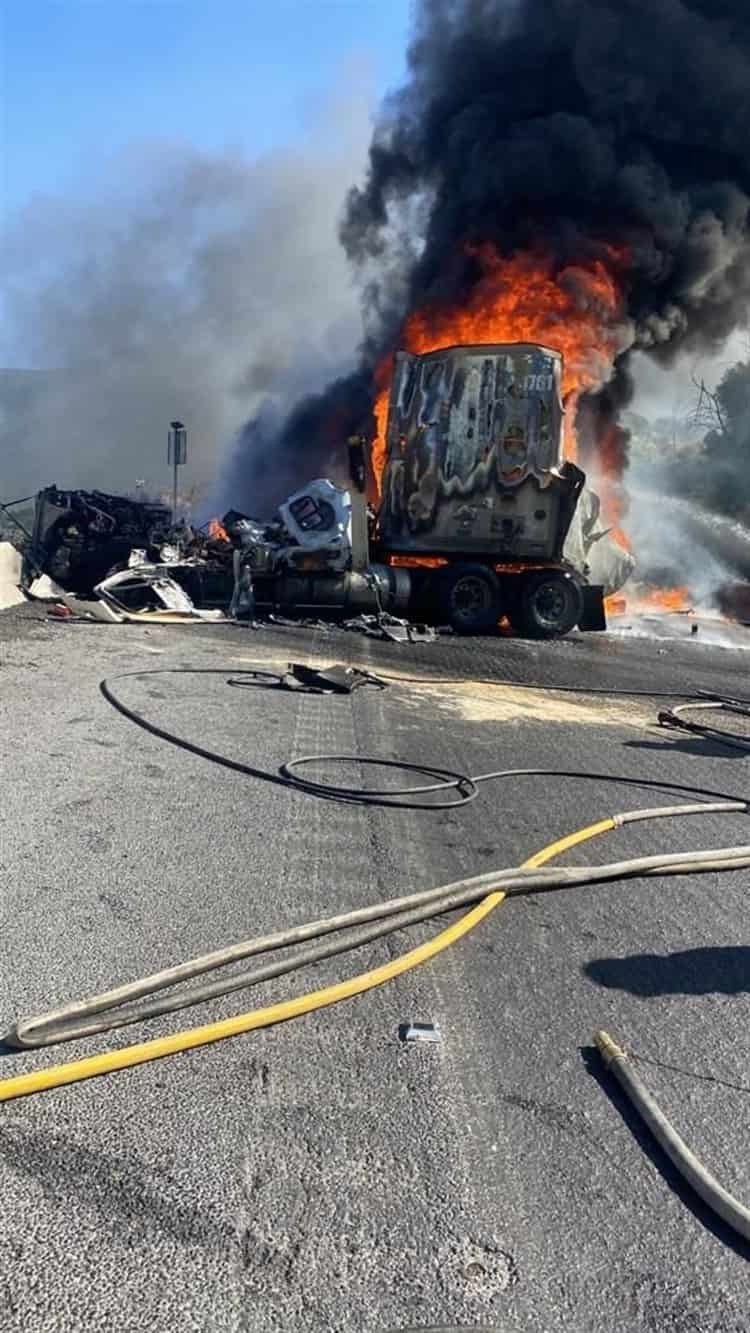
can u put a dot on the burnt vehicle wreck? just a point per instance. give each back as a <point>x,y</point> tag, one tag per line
<point>480,519</point>
<point>78,537</point>
<point>132,556</point>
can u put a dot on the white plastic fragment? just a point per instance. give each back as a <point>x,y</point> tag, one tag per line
<point>429,1032</point>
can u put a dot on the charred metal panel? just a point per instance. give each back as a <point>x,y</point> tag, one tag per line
<point>78,536</point>
<point>474,453</point>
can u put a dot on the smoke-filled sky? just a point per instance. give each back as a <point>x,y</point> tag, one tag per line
<point>162,272</point>
<point>613,131</point>
<point>585,135</point>
<point>173,176</point>
<point>184,284</point>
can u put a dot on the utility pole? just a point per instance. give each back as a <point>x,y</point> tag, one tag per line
<point>176,454</point>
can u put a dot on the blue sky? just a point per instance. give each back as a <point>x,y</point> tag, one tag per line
<point>83,78</point>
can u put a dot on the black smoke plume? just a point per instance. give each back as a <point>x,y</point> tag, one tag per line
<point>571,125</point>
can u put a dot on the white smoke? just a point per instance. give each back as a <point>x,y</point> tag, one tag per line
<point>177,284</point>
<point>670,390</point>
<point>676,540</point>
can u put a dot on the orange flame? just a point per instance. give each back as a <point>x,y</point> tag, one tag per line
<point>576,311</point>
<point>675,600</point>
<point>216,532</point>
<point>417,561</point>
<point>665,599</point>
<point>614,500</point>
<point>614,509</point>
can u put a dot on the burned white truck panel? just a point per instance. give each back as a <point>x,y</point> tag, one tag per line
<point>474,458</point>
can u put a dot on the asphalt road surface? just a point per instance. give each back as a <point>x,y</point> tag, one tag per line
<point>323,1175</point>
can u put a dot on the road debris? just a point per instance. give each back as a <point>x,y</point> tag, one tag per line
<point>135,593</point>
<point>336,679</point>
<point>131,557</point>
<point>384,626</point>
<point>426,1032</point>
<point>675,718</point>
<point>10,576</point>
<point>97,609</point>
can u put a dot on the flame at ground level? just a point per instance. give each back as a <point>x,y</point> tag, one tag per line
<point>216,531</point>
<point>418,561</point>
<point>576,310</point>
<point>729,605</point>
<point>642,600</point>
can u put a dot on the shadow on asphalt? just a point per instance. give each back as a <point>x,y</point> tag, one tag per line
<point>669,1173</point>
<point>705,749</point>
<point>721,969</point>
<point>116,1186</point>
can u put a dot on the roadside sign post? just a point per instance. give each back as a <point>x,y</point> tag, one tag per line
<point>176,455</point>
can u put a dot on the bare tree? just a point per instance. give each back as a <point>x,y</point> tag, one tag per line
<point>708,412</point>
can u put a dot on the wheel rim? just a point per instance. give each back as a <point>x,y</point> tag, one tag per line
<point>471,597</point>
<point>551,604</point>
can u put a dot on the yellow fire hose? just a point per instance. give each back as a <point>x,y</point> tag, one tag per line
<point>42,1080</point>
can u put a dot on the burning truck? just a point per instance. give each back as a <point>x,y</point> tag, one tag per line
<point>476,504</point>
<point>477,499</point>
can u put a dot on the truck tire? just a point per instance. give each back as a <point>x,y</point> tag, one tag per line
<point>549,604</point>
<point>468,596</point>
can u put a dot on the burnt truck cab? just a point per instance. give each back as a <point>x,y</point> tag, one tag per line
<point>79,536</point>
<point>476,496</point>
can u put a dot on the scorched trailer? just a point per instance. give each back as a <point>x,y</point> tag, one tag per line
<point>476,500</point>
<point>476,497</point>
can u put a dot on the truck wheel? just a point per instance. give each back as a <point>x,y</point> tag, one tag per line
<point>469,595</point>
<point>549,605</point>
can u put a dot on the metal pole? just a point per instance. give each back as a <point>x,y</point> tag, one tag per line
<point>176,453</point>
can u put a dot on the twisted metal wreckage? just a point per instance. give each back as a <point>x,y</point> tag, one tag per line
<point>480,518</point>
<point>114,559</point>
